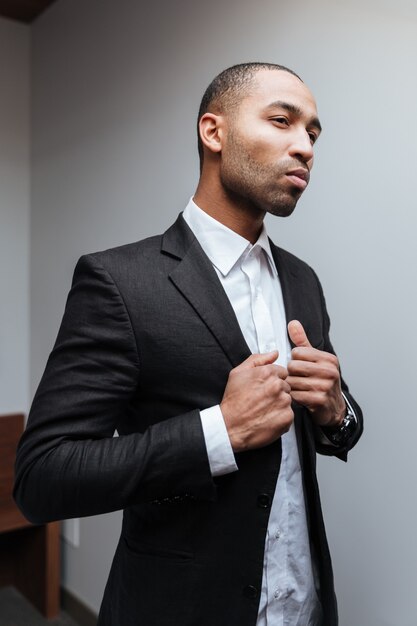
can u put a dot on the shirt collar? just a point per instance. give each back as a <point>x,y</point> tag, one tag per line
<point>222,245</point>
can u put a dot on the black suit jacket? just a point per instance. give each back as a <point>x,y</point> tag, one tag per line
<point>147,340</point>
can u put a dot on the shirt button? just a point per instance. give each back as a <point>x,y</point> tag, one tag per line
<point>250,592</point>
<point>277,534</point>
<point>264,501</point>
<point>277,594</point>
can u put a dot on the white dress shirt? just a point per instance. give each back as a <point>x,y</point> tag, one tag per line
<point>249,277</point>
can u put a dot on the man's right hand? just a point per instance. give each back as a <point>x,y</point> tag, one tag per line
<point>256,404</point>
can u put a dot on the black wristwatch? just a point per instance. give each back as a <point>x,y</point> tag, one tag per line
<point>340,435</point>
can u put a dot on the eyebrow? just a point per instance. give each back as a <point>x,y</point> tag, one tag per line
<point>295,110</point>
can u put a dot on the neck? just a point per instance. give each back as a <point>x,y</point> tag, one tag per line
<point>243,219</point>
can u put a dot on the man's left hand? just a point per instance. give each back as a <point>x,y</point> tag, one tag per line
<point>314,378</point>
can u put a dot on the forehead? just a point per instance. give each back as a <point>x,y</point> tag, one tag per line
<point>269,86</point>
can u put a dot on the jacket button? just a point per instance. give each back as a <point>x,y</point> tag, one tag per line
<point>264,501</point>
<point>250,592</point>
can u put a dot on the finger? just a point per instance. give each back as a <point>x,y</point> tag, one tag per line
<point>300,367</point>
<point>278,386</point>
<point>281,371</point>
<point>275,371</point>
<point>301,383</point>
<point>308,355</point>
<point>321,370</point>
<point>302,397</point>
<point>297,334</point>
<point>255,360</point>
<point>312,359</point>
<point>311,399</point>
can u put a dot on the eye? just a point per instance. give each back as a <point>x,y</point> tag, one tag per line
<point>281,120</point>
<point>313,137</point>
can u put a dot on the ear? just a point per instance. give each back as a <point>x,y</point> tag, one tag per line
<point>211,131</point>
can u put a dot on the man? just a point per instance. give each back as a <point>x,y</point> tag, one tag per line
<point>180,344</point>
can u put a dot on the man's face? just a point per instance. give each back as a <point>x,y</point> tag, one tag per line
<point>267,153</point>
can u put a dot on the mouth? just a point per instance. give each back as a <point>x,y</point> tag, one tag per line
<point>299,177</point>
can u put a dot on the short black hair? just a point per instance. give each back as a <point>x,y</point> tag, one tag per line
<point>227,88</point>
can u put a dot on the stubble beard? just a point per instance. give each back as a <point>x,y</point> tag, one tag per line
<point>255,186</point>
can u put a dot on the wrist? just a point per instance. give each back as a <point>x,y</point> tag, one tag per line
<point>337,418</point>
<point>339,435</point>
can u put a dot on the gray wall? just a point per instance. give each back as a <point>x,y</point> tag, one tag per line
<point>116,90</point>
<point>14,216</point>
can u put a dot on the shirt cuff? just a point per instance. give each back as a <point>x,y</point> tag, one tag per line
<point>219,450</point>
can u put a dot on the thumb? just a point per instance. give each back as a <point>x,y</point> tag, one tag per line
<point>254,360</point>
<point>298,335</point>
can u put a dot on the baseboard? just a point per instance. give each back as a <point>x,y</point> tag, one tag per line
<point>77,609</point>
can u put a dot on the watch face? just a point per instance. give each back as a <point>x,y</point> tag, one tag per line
<point>342,435</point>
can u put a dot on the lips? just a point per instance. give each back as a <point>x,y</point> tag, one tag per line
<point>299,177</point>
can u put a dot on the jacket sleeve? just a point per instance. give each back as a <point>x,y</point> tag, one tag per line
<point>329,449</point>
<point>68,462</point>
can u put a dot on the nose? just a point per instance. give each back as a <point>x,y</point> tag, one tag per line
<point>301,146</point>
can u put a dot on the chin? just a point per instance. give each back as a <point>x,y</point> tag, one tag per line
<point>280,204</point>
<point>281,210</point>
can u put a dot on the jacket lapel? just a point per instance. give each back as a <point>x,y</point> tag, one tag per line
<point>288,275</point>
<point>301,294</point>
<point>196,279</point>
<point>294,304</point>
